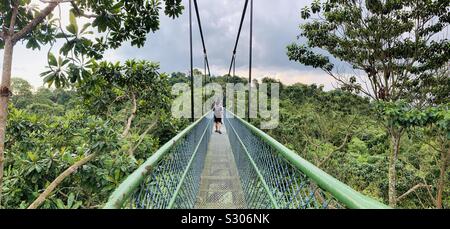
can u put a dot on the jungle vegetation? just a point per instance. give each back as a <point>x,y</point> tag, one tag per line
<point>384,130</point>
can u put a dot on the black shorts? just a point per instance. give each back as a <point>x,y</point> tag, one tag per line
<point>216,120</point>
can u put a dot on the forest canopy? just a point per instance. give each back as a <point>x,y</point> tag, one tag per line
<point>384,130</point>
<point>54,128</point>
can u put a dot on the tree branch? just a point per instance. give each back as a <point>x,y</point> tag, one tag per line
<point>113,102</point>
<point>58,181</point>
<point>12,23</point>
<point>53,1</point>
<point>141,138</point>
<point>37,20</point>
<point>340,80</point>
<point>132,115</point>
<point>340,147</point>
<point>417,186</point>
<point>429,191</point>
<point>81,13</point>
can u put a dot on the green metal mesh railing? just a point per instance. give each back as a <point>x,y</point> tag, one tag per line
<point>171,177</point>
<point>174,183</point>
<point>271,175</point>
<point>269,180</point>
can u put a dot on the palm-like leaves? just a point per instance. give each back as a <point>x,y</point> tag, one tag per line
<point>58,73</point>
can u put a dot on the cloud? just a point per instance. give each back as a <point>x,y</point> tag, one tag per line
<point>28,64</point>
<point>275,26</point>
<point>287,76</point>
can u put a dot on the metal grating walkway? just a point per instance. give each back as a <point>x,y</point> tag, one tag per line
<point>220,186</point>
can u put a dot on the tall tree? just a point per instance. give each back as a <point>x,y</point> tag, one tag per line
<point>22,92</point>
<point>135,86</point>
<point>390,45</point>
<point>116,21</point>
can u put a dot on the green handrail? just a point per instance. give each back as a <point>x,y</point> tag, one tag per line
<point>255,167</point>
<point>131,183</point>
<point>183,177</point>
<point>342,192</point>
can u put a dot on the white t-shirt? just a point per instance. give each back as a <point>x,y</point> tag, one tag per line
<point>218,111</point>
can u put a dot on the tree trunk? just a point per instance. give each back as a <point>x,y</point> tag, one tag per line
<point>10,39</point>
<point>4,98</point>
<point>141,138</point>
<point>442,175</point>
<point>133,114</point>
<point>393,157</point>
<point>60,179</point>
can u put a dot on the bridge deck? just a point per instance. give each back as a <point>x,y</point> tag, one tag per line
<point>220,186</point>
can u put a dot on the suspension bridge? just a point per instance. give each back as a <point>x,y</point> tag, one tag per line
<point>243,168</point>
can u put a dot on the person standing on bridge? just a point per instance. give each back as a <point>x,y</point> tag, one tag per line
<point>218,116</point>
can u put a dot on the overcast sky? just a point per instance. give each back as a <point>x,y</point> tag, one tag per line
<point>275,26</point>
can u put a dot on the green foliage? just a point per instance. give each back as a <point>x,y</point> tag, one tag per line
<point>387,42</point>
<point>22,93</point>
<point>178,77</point>
<point>116,22</point>
<point>399,58</point>
<point>315,123</point>
<point>358,147</point>
<point>43,33</point>
<point>60,127</point>
<point>403,115</point>
<point>115,85</point>
<point>48,130</point>
<point>41,144</point>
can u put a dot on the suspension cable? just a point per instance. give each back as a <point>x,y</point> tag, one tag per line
<point>233,58</point>
<point>250,62</point>
<point>201,35</point>
<point>234,66</point>
<point>206,62</point>
<point>192,61</point>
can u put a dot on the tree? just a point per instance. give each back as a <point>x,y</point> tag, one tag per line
<point>431,120</point>
<point>391,45</point>
<point>136,84</point>
<point>76,157</point>
<point>116,21</point>
<point>41,148</point>
<point>430,126</point>
<point>178,77</point>
<point>22,92</point>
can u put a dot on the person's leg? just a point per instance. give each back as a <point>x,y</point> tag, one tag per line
<point>219,124</point>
